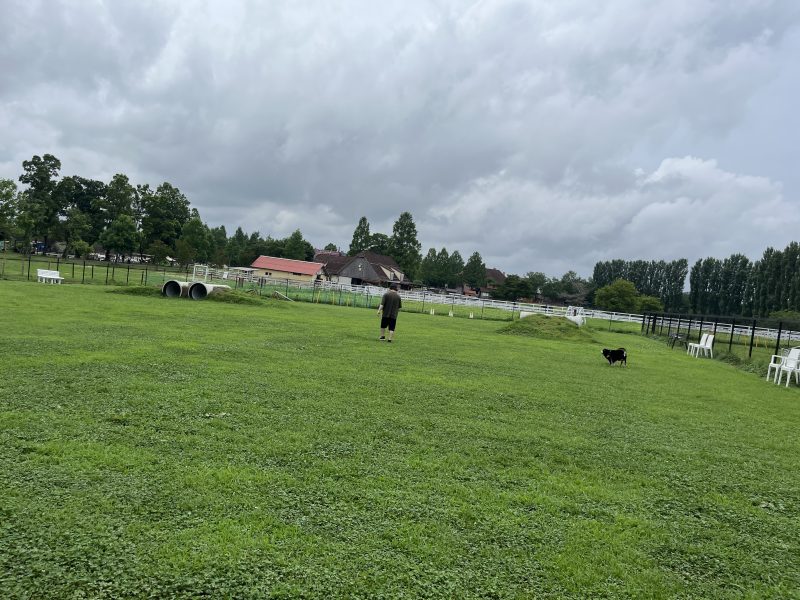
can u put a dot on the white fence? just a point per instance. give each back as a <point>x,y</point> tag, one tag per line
<point>247,278</point>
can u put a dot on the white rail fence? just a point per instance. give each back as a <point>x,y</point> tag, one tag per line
<point>250,279</point>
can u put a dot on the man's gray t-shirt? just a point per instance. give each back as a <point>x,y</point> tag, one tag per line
<point>391,304</point>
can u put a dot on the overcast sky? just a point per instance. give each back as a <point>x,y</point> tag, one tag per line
<point>545,135</point>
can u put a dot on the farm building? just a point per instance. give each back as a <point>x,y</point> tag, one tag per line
<point>365,268</point>
<point>286,268</point>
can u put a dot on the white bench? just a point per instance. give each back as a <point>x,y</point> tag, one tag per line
<point>46,276</point>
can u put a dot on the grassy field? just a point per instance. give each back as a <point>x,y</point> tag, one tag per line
<point>175,449</point>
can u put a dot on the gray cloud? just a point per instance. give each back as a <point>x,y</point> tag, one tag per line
<point>512,128</point>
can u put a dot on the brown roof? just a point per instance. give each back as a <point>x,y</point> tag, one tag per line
<point>287,265</point>
<point>495,275</point>
<point>379,259</point>
<point>334,264</point>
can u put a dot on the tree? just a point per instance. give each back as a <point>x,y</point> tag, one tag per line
<point>89,197</point>
<point>536,279</point>
<point>80,248</point>
<point>196,235</point>
<point>159,251</point>
<point>330,247</point>
<point>40,204</point>
<point>427,268</point>
<point>120,236</point>
<point>218,239</point>
<point>379,243</point>
<point>443,266</point>
<point>361,237</point>
<point>619,296</point>
<point>76,228</point>
<point>120,197</point>
<point>296,247</point>
<point>184,253</point>
<point>8,207</point>
<point>237,247</point>
<point>165,213</point>
<point>475,271</point>
<point>514,288</point>
<point>404,246</point>
<point>455,269</point>
<point>649,304</point>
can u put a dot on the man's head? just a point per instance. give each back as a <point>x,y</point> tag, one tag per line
<point>393,286</point>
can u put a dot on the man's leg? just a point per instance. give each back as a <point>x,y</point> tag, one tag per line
<point>391,329</point>
<point>383,333</point>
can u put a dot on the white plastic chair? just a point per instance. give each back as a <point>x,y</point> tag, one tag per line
<point>775,362</point>
<point>707,348</point>
<point>693,348</point>
<point>791,364</point>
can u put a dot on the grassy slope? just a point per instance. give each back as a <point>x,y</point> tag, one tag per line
<point>175,448</point>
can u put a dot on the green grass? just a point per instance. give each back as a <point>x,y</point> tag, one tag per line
<point>176,449</point>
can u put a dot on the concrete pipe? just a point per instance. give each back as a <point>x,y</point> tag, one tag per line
<point>199,290</point>
<point>175,289</point>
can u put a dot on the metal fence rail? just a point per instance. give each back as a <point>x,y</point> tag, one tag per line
<point>724,329</point>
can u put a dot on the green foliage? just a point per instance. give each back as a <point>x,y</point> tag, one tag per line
<point>361,237</point>
<point>38,203</point>
<point>514,288</point>
<point>79,248</point>
<point>8,207</point>
<point>159,252</point>
<point>649,304</point>
<point>664,280</point>
<point>785,315</point>
<point>475,271</point>
<point>196,241</point>
<point>619,296</point>
<point>440,269</point>
<point>455,269</point>
<point>177,449</point>
<point>297,248</point>
<point>165,213</point>
<point>331,247</point>
<point>379,243</point>
<point>404,246</point>
<point>120,236</point>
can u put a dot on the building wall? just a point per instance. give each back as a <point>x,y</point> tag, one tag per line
<point>341,279</point>
<point>284,275</point>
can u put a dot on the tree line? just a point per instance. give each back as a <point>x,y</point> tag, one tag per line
<point>656,278</point>
<point>738,286</point>
<point>123,219</point>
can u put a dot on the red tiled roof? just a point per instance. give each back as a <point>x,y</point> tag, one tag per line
<point>287,265</point>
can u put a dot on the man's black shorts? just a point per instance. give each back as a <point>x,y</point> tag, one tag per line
<point>388,322</point>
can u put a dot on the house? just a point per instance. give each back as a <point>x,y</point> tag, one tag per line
<point>287,268</point>
<point>494,279</point>
<point>365,268</point>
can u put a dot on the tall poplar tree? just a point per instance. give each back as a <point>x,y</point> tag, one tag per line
<point>475,271</point>
<point>404,246</point>
<point>41,206</point>
<point>361,238</point>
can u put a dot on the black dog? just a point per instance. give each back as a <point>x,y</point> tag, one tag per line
<point>619,355</point>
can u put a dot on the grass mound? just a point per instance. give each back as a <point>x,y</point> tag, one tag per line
<point>139,290</point>
<point>240,297</point>
<point>549,328</point>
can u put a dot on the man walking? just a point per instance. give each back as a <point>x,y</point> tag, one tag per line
<point>390,305</point>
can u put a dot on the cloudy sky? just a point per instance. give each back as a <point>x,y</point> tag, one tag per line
<point>546,135</point>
